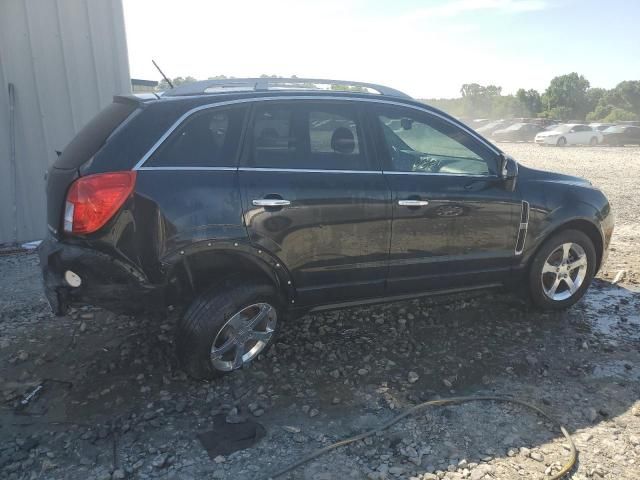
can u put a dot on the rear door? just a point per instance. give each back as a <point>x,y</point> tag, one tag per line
<point>314,196</point>
<point>454,222</point>
<point>580,134</point>
<point>632,135</point>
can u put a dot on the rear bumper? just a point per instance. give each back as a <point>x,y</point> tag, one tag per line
<point>105,281</point>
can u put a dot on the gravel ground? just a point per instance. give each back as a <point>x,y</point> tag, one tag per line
<point>114,405</point>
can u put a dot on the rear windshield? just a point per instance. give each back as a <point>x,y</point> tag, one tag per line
<point>93,135</point>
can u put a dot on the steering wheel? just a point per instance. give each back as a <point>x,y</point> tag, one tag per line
<point>427,163</point>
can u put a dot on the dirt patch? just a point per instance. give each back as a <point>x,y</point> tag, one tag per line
<point>113,404</point>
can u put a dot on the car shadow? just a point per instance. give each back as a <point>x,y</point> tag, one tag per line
<point>114,381</point>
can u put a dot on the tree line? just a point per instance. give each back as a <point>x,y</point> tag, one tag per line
<point>568,97</point>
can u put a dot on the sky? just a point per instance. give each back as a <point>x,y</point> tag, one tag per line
<point>427,49</point>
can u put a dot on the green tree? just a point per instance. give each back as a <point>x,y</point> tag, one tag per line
<point>594,96</point>
<point>628,95</point>
<point>478,100</point>
<point>530,101</point>
<point>563,114</point>
<point>619,103</point>
<point>163,85</point>
<point>600,112</point>
<point>618,115</point>
<point>567,94</point>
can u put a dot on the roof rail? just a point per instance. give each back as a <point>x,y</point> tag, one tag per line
<point>266,83</point>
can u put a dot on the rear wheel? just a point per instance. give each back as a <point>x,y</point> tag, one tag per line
<point>562,270</point>
<point>561,142</point>
<point>227,327</point>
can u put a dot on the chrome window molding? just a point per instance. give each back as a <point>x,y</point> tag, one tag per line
<point>197,169</point>
<point>285,98</point>
<point>469,175</point>
<point>306,170</point>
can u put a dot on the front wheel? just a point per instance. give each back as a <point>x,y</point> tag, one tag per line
<point>227,327</point>
<point>562,270</point>
<point>593,142</point>
<point>561,142</point>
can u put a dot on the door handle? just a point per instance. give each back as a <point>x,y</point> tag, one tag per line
<point>413,203</point>
<point>271,202</point>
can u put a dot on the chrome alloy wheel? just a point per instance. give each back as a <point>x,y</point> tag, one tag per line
<point>243,337</point>
<point>564,271</point>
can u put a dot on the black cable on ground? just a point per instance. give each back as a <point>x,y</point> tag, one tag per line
<point>433,403</point>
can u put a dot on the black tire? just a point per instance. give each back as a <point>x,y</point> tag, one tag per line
<point>562,142</point>
<point>536,290</point>
<point>593,141</point>
<point>209,313</point>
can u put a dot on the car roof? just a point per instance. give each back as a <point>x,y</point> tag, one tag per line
<point>215,86</point>
<point>196,97</point>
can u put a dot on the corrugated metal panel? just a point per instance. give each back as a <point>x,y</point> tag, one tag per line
<point>66,59</point>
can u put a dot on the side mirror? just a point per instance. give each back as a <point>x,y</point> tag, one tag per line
<point>508,171</point>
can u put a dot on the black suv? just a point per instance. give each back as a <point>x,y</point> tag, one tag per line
<point>247,200</point>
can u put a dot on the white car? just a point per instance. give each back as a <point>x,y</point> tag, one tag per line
<point>569,134</point>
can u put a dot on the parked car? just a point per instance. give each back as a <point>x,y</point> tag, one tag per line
<point>259,201</point>
<point>518,132</point>
<point>491,127</point>
<point>620,135</point>
<point>569,134</point>
<point>601,126</point>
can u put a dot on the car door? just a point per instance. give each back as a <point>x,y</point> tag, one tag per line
<point>631,135</point>
<point>532,131</point>
<point>314,196</point>
<point>572,136</point>
<point>454,221</point>
<point>580,134</point>
<point>586,134</point>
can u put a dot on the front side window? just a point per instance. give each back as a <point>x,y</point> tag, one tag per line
<point>307,136</point>
<point>427,144</point>
<point>206,139</point>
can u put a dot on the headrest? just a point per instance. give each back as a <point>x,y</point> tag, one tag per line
<point>342,140</point>
<point>268,137</point>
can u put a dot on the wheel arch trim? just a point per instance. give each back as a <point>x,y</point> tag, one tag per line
<point>559,222</point>
<point>256,256</point>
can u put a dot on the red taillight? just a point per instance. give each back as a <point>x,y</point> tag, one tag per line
<point>93,200</point>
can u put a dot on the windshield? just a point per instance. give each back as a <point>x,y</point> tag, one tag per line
<point>615,129</point>
<point>515,126</point>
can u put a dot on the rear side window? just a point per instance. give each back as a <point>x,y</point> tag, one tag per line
<point>307,136</point>
<point>94,134</point>
<point>206,139</point>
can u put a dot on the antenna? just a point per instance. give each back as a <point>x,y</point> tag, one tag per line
<point>162,73</point>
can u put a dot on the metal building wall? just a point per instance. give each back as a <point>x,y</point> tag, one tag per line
<point>66,60</point>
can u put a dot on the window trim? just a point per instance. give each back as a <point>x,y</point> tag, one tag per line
<point>386,161</point>
<point>253,100</point>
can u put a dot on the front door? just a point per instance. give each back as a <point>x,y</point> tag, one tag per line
<point>454,221</point>
<point>314,196</point>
